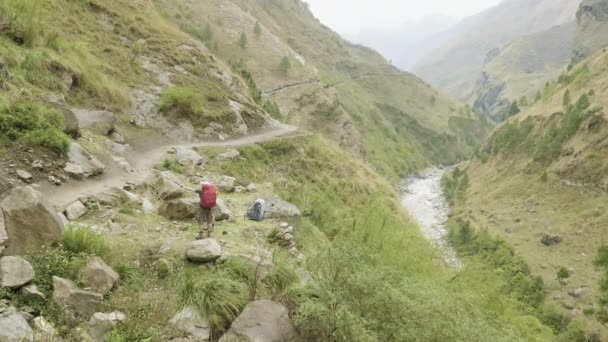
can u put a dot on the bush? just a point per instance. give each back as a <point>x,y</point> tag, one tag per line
<point>56,262</point>
<point>84,241</point>
<point>34,125</point>
<point>558,321</point>
<point>182,102</point>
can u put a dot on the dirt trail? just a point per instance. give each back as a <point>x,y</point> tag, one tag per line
<point>423,197</point>
<point>142,164</point>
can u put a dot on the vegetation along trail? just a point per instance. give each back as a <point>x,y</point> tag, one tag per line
<point>423,197</point>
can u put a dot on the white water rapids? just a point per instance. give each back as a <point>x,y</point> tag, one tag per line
<point>423,197</point>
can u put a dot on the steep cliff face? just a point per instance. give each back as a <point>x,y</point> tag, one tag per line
<point>592,27</point>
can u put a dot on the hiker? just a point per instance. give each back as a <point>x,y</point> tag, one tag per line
<point>208,198</point>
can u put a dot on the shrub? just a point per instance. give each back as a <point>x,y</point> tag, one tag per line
<point>285,65</point>
<point>34,125</point>
<point>84,241</point>
<point>562,275</point>
<point>56,262</point>
<point>550,316</point>
<point>182,102</point>
<point>216,296</point>
<point>171,164</point>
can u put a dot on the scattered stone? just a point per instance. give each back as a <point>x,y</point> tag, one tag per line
<point>203,251</point>
<point>287,237</point>
<point>15,272</point>
<point>187,156</point>
<point>550,240</point>
<point>38,165</point>
<point>100,277</point>
<point>239,189</point>
<point>75,211</point>
<point>54,180</point>
<point>251,188</point>
<point>31,293</point>
<point>81,164</point>
<point>262,320</point>
<point>84,303</point>
<point>289,230</point>
<point>226,184</point>
<point>278,208</point>
<point>101,324</point>
<point>96,121</point>
<point>228,155</point>
<point>43,330</point>
<point>117,137</point>
<point>24,176</point>
<point>14,328</point>
<point>190,322</point>
<point>509,230</point>
<point>283,225</point>
<point>577,293</point>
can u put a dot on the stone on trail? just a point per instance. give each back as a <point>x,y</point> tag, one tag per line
<point>24,176</point>
<point>31,293</point>
<point>190,322</point>
<point>97,121</point>
<point>262,320</point>
<point>102,324</point>
<point>84,303</point>
<point>100,277</point>
<point>15,272</point>
<point>14,328</point>
<point>228,155</point>
<point>81,164</point>
<point>75,211</point>
<point>278,208</point>
<point>203,251</point>
<point>29,221</point>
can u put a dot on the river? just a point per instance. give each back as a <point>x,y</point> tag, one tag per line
<point>423,198</point>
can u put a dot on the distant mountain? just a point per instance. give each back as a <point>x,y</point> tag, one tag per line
<point>456,66</point>
<point>592,27</point>
<point>407,44</point>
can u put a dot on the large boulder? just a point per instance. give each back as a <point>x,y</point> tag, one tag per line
<point>165,185</point>
<point>75,211</point>
<point>179,209</point>
<point>97,121</point>
<point>228,155</point>
<point>84,303</point>
<point>14,328</point>
<point>276,207</point>
<point>226,184</point>
<point>102,324</point>
<point>116,196</point>
<point>29,221</point>
<point>262,320</point>
<point>203,251</point>
<point>100,277</point>
<point>81,164</point>
<point>15,272</point>
<point>148,207</point>
<point>185,156</point>
<point>191,323</point>
<point>221,211</point>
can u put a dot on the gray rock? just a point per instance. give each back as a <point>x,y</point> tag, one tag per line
<point>303,276</point>
<point>239,189</point>
<point>31,293</point>
<point>577,293</point>
<point>226,184</point>
<point>262,320</point>
<point>116,197</point>
<point>278,208</point>
<point>84,303</point>
<point>97,121</point>
<point>551,240</point>
<point>102,324</point>
<point>100,277</point>
<point>75,211</point>
<point>187,156</point>
<point>165,185</point>
<point>43,330</point>
<point>64,220</point>
<point>221,211</point>
<point>24,176</point>
<point>148,207</point>
<point>3,233</point>
<point>179,209</point>
<point>191,323</point>
<point>14,328</point>
<point>15,272</point>
<point>251,188</point>
<point>29,221</point>
<point>203,251</point>
<point>81,163</point>
<point>228,155</point>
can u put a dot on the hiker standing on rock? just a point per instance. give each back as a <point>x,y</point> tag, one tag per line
<point>208,199</point>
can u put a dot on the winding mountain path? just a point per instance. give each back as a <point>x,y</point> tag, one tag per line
<point>142,165</point>
<point>423,197</point>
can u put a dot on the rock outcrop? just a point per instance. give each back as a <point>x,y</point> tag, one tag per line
<point>203,251</point>
<point>278,208</point>
<point>15,272</point>
<point>100,277</point>
<point>191,323</point>
<point>98,121</point>
<point>29,221</point>
<point>262,320</point>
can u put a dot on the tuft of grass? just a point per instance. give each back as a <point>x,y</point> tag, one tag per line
<point>20,21</point>
<point>34,125</point>
<point>182,102</point>
<point>171,164</point>
<point>82,240</point>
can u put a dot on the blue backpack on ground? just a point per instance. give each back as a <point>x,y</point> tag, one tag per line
<point>256,212</point>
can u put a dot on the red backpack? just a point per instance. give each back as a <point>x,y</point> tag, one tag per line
<point>208,196</point>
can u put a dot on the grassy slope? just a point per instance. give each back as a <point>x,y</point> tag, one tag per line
<point>563,194</point>
<point>389,117</point>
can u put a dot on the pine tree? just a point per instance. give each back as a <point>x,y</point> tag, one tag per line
<point>243,41</point>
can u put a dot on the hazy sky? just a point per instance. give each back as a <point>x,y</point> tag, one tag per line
<point>349,16</point>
